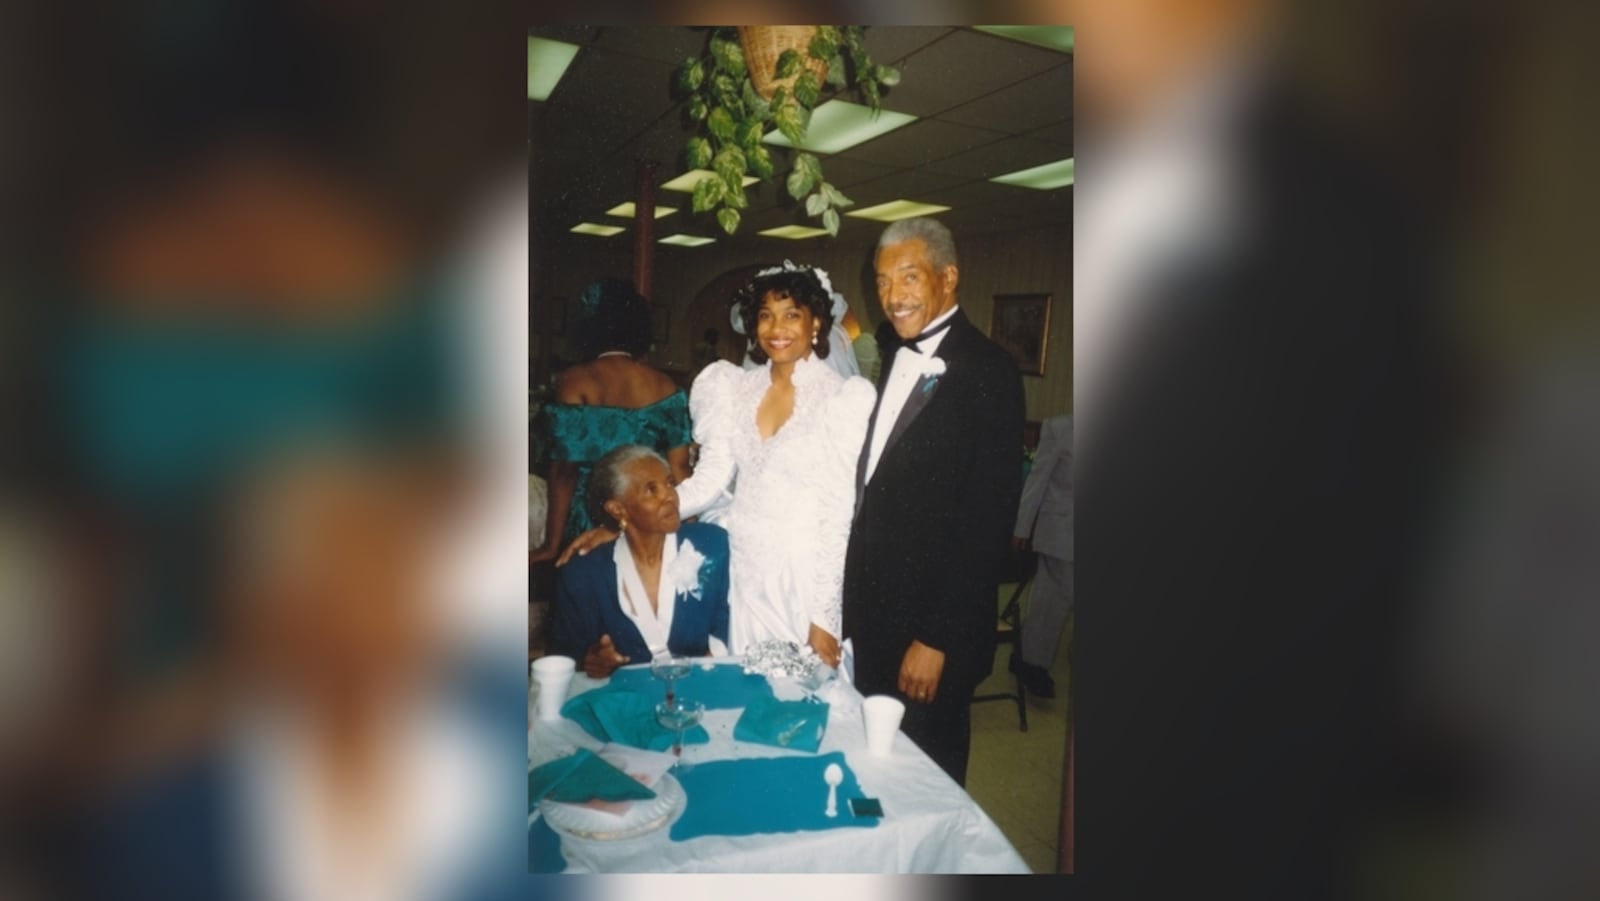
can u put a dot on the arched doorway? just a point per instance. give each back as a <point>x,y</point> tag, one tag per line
<point>709,309</point>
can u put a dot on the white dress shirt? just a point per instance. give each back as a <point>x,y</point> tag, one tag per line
<point>901,381</point>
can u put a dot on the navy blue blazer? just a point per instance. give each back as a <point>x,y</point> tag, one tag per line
<point>587,605</point>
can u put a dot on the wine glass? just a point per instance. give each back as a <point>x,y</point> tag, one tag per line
<point>669,668</point>
<point>818,675</point>
<point>678,716</point>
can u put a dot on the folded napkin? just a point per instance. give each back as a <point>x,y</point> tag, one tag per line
<point>784,724</point>
<point>764,794</point>
<point>725,686</point>
<point>627,718</point>
<point>544,849</point>
<point>584,776</point>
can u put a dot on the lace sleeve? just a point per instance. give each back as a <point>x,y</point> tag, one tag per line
<point>844,431</point>
<point>709,401</point>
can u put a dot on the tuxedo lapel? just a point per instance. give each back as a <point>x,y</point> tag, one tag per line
<point>921,393</point>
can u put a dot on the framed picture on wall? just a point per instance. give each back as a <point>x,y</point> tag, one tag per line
<point>1021,324</point>
<point>660,324</point>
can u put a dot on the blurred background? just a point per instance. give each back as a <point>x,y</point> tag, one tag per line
<point>1335,460</point>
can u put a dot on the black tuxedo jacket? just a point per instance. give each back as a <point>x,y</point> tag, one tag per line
<point>933,525</point>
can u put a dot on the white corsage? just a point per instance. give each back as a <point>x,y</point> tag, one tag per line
<point>687,572</point>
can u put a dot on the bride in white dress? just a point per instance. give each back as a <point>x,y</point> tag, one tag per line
<point>788,435</point>
<point>784,438</point>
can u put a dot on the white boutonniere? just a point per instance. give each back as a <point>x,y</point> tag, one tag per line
<point>688,570</point>
<point>930,368</point>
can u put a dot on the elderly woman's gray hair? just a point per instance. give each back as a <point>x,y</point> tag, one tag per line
<point>941,244</point>
<point>609,478</point>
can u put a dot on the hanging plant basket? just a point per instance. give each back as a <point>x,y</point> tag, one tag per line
<point>756,78</point>
<point>763,46</point>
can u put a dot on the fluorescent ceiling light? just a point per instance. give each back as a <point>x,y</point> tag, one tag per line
<point>1053,37</point>
<point>627,209</point>
<point>547,62</point>
<point>898,209</point>
<point>687,240</point>
<point>589,228</point>
<point>795,232</point>
<point>688,180</point>
<point>1045,178</point>
<point>839,125</point>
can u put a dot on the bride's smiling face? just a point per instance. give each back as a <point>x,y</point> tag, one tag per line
<point>784,328</point>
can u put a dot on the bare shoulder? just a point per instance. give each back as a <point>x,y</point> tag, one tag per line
<point>576,385</point>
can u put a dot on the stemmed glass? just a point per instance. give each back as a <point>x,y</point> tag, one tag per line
<point>678,716</point>
<point>669,668</point>
<point>818,675</point>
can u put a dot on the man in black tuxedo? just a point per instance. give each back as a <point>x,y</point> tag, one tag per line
<point>937,488</point>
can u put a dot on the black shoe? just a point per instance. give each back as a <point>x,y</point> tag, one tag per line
<point>1035,678</point>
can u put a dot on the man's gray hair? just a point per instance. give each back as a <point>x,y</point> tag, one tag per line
<point>610,478</point>
<point>932,232</point>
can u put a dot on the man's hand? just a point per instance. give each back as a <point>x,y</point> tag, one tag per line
<point>602,659</point>
<point>1018,543</point>
<point>919,672</point>
<point>587,542</point>
<point>826,646</point>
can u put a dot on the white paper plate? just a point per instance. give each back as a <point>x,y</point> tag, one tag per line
<point>646,816</point>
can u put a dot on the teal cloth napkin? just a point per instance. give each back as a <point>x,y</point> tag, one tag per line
<point>627,718</point>
<point>764,794</point>
<point>726,686</point>
<point>584,776</point>
<point>785,724</point>
<point>544,849</point>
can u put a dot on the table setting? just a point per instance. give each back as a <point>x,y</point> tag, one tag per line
<point>762,762</point>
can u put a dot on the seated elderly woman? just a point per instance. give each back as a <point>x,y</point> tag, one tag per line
<point>663,588</point>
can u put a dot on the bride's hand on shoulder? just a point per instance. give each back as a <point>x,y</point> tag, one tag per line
<point>586,542</point>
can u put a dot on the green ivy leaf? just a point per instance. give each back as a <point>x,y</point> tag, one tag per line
<point>830,221</point>
<point>834,197</point>
<point>691,74</point>
<point>728,219</point>
<point>791,122</point>
<point>730,59</point>
<point>822,45</point>
<point>704,197</point>
<point>759,110</point>
<point>721,124</point>
<point>729,165</point>
<point>798,183</point>
<point>788,63</point>
<point>806,89</point>
<point>815,204</point>
<point>835,72</point>
<point>748,135</point>
<point>725,90</point>
<point>760,161</point>
<point>870,88</point>
<point>698,152</point>
<point>811,166</point>
<point>889,76</point>
<point>698,108</point>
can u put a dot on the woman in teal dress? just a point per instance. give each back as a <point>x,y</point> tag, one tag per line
<point>613,399</point>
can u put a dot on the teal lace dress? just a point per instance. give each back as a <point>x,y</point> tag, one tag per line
<point>583,433</point>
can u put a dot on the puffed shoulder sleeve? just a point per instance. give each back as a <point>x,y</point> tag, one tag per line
<point>844,431</point>
<point>710,401</point>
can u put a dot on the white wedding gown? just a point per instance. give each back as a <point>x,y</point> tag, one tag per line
<point>793,494</point>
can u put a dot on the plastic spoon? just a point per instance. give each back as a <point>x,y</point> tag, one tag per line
<point>833,775</point>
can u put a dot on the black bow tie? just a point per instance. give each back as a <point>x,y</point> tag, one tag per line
<point>890,340</point>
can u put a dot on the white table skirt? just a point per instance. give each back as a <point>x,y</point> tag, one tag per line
<point>930,824</point>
